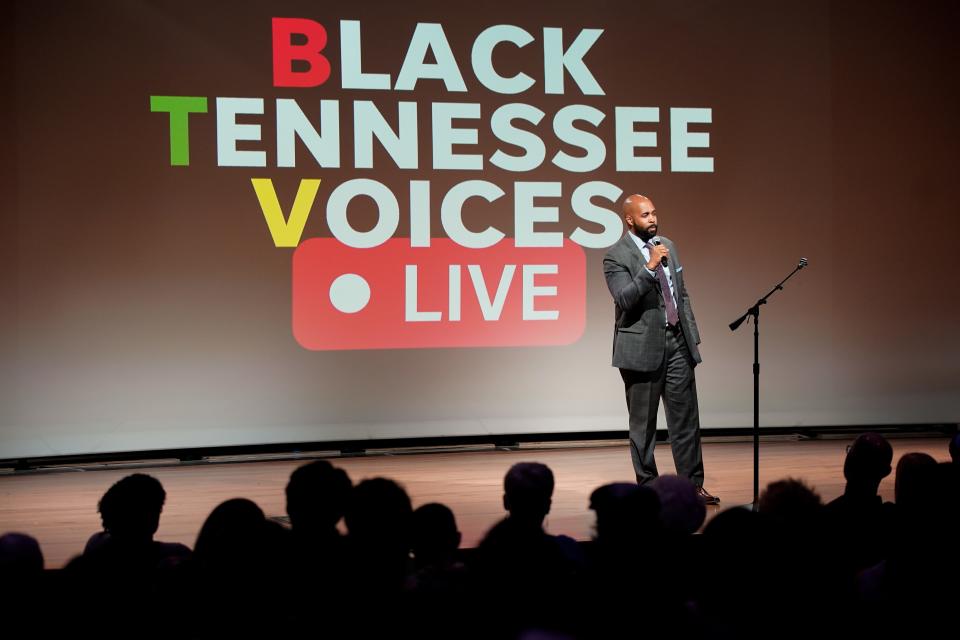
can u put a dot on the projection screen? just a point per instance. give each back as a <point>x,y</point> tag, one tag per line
<point>270,222</point>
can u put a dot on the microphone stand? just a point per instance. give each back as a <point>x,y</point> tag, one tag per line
<point>754,311</point>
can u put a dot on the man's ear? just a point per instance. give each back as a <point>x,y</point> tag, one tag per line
<point>506,502</point>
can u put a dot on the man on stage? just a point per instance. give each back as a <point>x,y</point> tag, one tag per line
<point>655,344</point>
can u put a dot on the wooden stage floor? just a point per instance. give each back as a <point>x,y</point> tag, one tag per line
<point>59,507</point>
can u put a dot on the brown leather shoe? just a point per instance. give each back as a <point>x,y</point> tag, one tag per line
<point>706,497</point>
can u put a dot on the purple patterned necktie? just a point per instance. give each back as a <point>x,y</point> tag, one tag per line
<point>672,317</point>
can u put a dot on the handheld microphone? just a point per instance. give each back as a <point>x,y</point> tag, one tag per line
<point>656,242</point>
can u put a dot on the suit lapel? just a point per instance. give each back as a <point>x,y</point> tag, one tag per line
<point>636,259</point>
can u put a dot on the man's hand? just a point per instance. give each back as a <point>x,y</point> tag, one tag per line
<point>657,253</point>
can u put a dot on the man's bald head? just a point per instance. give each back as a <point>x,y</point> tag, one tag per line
<point>640,216</point>
<point>633,203</point>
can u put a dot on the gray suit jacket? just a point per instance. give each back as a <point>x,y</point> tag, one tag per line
<point>639,334</point>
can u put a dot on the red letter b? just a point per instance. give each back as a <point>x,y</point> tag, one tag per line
<point>285,52</point>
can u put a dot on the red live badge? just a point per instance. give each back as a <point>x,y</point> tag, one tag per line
<point>395,296</point>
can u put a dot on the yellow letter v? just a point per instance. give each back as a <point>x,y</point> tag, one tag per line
<point>286,232</point>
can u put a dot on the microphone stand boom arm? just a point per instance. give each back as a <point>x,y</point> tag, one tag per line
<point>755,312</point>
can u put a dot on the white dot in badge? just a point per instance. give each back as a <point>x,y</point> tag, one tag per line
<point>349,293</point>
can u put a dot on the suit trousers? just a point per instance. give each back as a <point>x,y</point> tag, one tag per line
<point>676,383</point>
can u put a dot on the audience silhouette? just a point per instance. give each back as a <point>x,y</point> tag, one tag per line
<point>859,518</point>
<point>122,564</point>
<point>438,587</point>
<point>237,570</point>
<point>523,573</point>
<point>22,584</point>
<point>792,568</point>
<point>913,589</point>
<point>318,495</point>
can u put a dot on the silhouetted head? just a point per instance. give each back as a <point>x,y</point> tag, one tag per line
<point>130,509</point>
<point>435,536</point>
<point>380,514</point>
<point>790,500</point>
<point>916,481</point>
<point>317,495</point>
<point>736,549</point>
<point>955,448</point>
<point>20,557</point>
<point>235,531</point>
<point>868,462</point>
<point>528,491</point>
<point>626,512</point>
<point>682,511</point>
<point>737,527</point>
